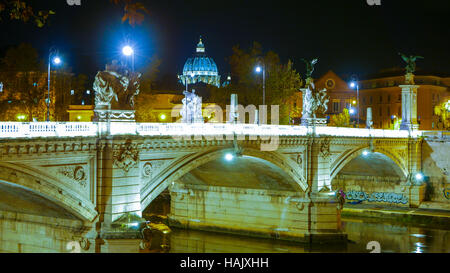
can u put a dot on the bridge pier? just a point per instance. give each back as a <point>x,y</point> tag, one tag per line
<point>118,198</point>
<point>282,215</point>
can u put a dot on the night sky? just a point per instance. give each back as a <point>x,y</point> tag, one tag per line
<point>348,36</point>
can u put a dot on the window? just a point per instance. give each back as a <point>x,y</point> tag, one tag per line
<point>364,100</point>
<point>381,98</point>
<point>370,100</point>
<point>336,106</point>
<point>389,98</point>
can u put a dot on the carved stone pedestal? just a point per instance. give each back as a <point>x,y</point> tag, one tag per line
<point>105,115</point>
<point>310,122</point>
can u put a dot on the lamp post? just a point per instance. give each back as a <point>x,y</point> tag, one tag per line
<point>259,69</point>
<point>355,83</point>
<point>52,57</point>
<point>129,51</point>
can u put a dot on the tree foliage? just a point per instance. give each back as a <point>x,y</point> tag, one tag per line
<point>24,76</point>
<point>23,10</point>
<point>341,120</point>
<point>144,101</point>
<point>281,80</point>
<point>134,12</point>
<point>443,112</point>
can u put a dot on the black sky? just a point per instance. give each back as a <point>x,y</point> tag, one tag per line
<point>348,36</point>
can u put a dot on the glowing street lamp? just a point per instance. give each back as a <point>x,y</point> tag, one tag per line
<point>355,84</point>
<point>129,51</point>
<point>419,177</point>
<point>259,69</point>
<point>21,117</point>
<point>56,60</point>
<point>229,157</point>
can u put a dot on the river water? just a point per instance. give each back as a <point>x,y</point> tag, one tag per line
<point>392,238</point>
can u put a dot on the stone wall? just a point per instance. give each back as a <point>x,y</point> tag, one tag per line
<point>436,166</point>
<point>261,213</point>
<point>372,184</point>
<point>24,233</point>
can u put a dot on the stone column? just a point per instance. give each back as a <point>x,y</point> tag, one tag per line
<point>409,107</point>
<point>319,165</point>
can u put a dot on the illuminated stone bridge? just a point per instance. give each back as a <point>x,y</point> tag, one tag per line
<point>263,180</point>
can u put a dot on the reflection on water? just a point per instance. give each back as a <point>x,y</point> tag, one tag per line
<point>392,238</point>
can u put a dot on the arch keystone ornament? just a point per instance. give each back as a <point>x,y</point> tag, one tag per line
<point>127,157</point>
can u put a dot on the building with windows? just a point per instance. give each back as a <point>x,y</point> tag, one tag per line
<point>383,95</point>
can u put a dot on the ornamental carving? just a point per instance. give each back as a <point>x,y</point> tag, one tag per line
<point>127,157</point>
<point>76,173</point>
<point>300,160</point>
<point>325,148</point>
<point>151,168</point>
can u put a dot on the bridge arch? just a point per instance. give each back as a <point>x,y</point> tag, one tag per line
<point>349,155</point>
<point>45,186</point>
<point>185,165</point>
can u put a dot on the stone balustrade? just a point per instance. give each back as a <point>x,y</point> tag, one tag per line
<point>77,129</point>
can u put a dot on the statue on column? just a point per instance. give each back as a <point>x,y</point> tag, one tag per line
<point>410,67</point>
<point>315,102</point>
<point>115,92</point>
<point>191,112</point>
<point>310,67</point>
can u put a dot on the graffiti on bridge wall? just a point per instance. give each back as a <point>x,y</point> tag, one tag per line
<point>447,191</point>
<point>387,197</point>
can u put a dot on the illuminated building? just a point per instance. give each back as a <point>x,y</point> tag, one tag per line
<point>200,68</point>
<point>383,95</point>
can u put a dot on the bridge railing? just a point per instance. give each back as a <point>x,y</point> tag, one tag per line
<point>441,135</point>
<point>47,129</point>
<point>76,129</point>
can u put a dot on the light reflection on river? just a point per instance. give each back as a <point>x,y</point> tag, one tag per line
<point>392,238</point>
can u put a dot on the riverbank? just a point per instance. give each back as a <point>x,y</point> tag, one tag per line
<point>431,218</point>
